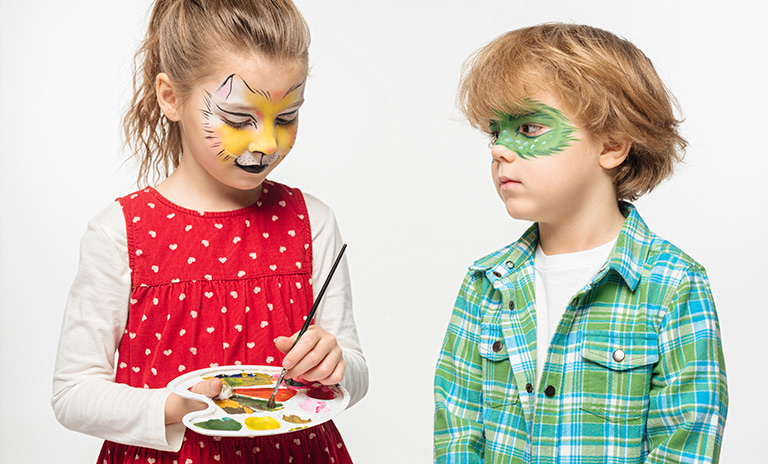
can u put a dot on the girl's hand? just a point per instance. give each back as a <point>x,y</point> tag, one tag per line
<point>316,358</point>
<point>177,407</point>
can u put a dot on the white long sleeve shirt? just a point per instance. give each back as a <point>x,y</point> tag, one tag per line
<point>85,396</point>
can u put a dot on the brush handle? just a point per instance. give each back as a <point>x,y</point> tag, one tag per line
<point>310,316</point>
<point>312,311</point>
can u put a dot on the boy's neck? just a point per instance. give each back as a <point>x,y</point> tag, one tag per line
<point>582,231</point>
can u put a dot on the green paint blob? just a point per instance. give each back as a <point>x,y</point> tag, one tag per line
<point>256,404</point>
<point>220,424</point>
<point>509,132</point>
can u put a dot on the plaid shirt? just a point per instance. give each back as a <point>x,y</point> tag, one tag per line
<point>635,371</point>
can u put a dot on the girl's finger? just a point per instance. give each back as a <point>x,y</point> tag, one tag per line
<point>306,344</point>
<point>329,372</point>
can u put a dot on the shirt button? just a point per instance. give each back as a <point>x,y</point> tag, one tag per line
<point>511,305</point>
<point>529,388</point>
<point>618,356</point>
<point>497,346</point>
<point>497,273</point>
<point>549,391</point>
<point>510,264</point>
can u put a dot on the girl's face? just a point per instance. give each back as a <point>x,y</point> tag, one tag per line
<point>239,125</point>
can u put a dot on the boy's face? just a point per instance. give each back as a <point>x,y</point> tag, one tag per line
<point>545,168</point>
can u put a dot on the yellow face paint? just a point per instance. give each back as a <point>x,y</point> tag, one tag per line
<point>252,127</point>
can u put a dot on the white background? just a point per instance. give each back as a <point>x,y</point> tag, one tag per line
<point>382,143</point>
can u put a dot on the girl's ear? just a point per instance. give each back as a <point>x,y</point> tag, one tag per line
<point>614,153</point>
<point>166,97</point>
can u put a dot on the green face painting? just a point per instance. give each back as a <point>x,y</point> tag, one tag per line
<point>542,132</point>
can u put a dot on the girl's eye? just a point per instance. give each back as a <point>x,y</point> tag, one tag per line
<point>494,136</point>
<point>288,118</point>
<point>532,130</point>
<point>237,124</point>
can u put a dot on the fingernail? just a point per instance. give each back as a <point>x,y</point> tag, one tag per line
<point>287,364</point>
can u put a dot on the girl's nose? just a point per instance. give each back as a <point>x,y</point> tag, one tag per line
<point>265,142</point>
<point>502,153</point>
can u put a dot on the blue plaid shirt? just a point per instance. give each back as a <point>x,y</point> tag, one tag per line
<point>635,371</point>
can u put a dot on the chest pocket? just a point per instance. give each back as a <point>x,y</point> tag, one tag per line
<point>498,382</point>
<point>617,374</point>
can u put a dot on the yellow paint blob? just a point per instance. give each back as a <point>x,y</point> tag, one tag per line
<point>262,423</point>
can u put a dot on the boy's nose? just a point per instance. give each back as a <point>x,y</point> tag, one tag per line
<point>500,152</point>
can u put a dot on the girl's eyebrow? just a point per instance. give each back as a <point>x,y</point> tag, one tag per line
<point>235,113</point>
<point>245,110</point>
<point>266,94</point>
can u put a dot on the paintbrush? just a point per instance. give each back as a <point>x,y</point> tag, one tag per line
<point>310,316</point>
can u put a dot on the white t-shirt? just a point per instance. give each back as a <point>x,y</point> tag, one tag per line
<point>558,278</point>
<point>85,396</point>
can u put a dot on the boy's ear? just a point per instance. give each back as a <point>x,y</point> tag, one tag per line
<point>614,153</point>
<point>166,97</point>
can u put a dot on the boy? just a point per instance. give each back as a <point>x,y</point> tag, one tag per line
<point>590,339</point>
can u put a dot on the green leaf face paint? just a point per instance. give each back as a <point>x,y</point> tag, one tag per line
<point>542,132</point>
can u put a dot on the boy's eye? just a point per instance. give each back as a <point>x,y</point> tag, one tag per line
<point>288,118</point>
<point>532,130</point>
<point>494,136</point>
<point>237,124</point>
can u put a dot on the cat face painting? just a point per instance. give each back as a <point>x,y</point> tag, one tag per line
<point>251,126</point>
<point>241,123</point>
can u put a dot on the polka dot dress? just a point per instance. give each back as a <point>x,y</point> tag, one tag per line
<point>216,288</point>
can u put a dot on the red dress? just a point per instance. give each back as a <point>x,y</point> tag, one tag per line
<point>214,289</point>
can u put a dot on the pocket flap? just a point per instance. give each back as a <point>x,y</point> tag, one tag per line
<point>622,351</point>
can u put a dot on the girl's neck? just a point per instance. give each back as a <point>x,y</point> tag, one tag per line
<point>584,231</point>
<point>193,194</point>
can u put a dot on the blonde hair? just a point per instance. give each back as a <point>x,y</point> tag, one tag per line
<point>185,40</point>
<point>606,82</point>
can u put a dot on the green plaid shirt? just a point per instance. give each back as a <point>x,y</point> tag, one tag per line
<point>635,371</point>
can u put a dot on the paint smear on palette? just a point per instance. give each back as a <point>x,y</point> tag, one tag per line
<point>283,394</point>
<point>233,407</point>
<point>314,406</point>
<point>262,423</point>
<point>321,392</point>
<point>245,379</point>
<point>255,403</point>
<point>294,419</point>
<point>220,424</point>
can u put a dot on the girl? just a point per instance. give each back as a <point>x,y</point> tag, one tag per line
<point>215,265</point>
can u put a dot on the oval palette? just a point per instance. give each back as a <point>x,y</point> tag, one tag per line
<point>245,412</point>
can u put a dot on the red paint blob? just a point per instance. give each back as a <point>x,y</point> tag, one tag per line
<point>321,392</point>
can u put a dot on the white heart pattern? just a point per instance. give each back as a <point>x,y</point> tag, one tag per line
<point>173,246</point>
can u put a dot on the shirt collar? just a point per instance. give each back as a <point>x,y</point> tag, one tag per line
<point>627,257</point>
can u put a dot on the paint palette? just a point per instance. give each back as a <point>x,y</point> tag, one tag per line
<point>245,412</point>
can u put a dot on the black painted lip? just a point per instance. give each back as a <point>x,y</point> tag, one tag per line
<point>254,169</point>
